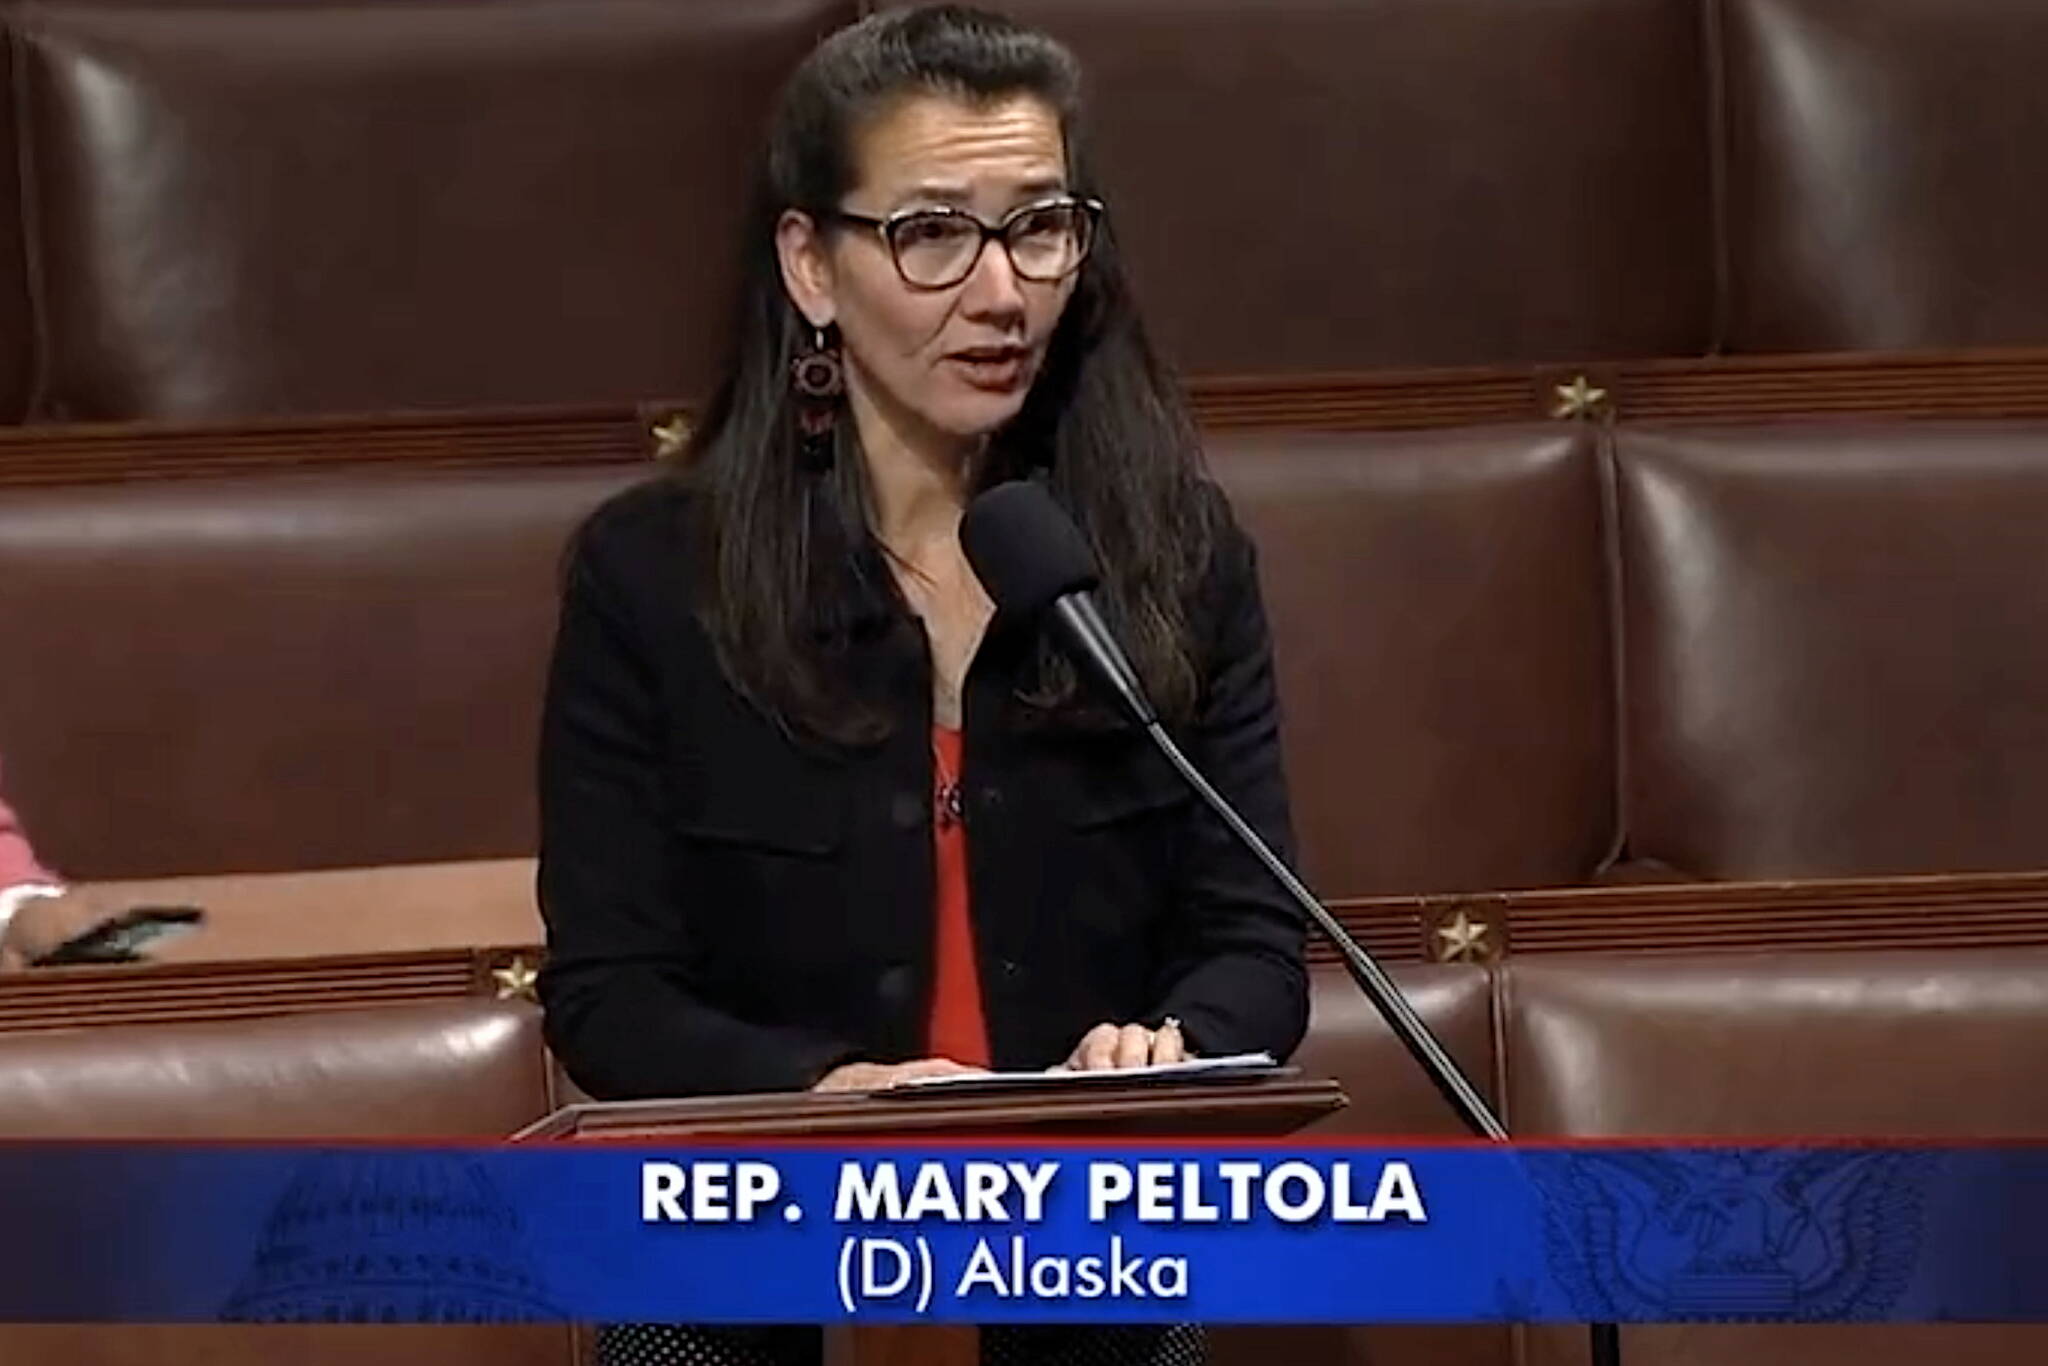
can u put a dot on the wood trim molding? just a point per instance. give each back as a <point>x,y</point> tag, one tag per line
<point>1956,385</point>
<point>1977,910</point>
<point>1907,385</point>
<point>244,989</point>
<point>107,453</point>
<point>1269,1106</point>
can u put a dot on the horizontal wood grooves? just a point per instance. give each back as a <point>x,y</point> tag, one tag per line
<point>2008,910</point>
<point>1961,385</point>
<point>100,454</point>
<point>1389,931</point>
<point>1977,384</point>
<point>1278,1105</point>
<point>189,993</point>
<point>1991,910</point>
<point>1384,401</point>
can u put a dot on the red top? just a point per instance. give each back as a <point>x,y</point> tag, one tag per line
<point>958,1030</point>
<point>17,861</point>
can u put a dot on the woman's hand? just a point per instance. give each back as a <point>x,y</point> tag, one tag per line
<point>879,1076</point>
<point>1108,1046</point>
<point>44,923</point>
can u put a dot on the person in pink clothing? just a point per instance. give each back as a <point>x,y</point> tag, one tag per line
<point>37,911</point>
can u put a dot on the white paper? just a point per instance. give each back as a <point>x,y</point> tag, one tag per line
<point>1058,1076</point>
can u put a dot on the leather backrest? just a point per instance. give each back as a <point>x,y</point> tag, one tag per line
<point>289,672</point>
<point>464,1070</point>
<point>1329,184</point>
<point>248,207</point>
<point>471,1070</point>
<point>1858,1045</point>
<point>1390,1097</point>
<point>1439,608</point>
<point>17,324</point>
<point>1837,648</point>
<point>1903,1044</point>
<point>1884,189</point>
<point>259,209</point>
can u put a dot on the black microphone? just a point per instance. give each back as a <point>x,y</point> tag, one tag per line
<point>1033,559</point>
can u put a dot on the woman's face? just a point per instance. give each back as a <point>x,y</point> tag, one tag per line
<point>953,361</point>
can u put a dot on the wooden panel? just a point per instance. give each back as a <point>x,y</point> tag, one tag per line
<point>1275,1105</point>
<point>902,1344</point>
<point>1984,384</point>
<point>1987,910</point>
<point>328,913</point>
<point>186,993</point>
<point>1386,400</point>
<point>99,453</point>
<point>298,1344</point>
<point>1972,910</point>
<point>1964,384</point>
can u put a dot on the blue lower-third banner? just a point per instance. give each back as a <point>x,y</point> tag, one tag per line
<point>1022,1233</point>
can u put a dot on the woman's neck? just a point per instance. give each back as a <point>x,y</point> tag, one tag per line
<point>919,479</point>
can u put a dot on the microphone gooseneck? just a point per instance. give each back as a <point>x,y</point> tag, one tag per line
<point>1033,560</point>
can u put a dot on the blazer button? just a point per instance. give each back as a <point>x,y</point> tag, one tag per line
<point>907,811</point>
<point>990,799</point>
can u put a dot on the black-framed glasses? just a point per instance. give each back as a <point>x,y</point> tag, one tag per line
<point>1047,240</point>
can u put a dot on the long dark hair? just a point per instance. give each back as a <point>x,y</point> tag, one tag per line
<point>788,556</point>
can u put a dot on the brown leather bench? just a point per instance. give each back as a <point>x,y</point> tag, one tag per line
<point>473,1070</point>
<point>1941,1044</point>
<point>477,1070</point>
<point>1508,656</point>
<point>538,205</point>
<point>1945,1044</point>
<point>526,205</point>
<point>279,674</point>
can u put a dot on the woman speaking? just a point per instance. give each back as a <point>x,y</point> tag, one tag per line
<point>814,813</point>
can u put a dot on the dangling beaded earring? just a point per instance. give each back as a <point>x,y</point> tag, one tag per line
<point>819,378</point>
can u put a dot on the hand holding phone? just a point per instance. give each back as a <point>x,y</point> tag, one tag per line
<point>123,938</point>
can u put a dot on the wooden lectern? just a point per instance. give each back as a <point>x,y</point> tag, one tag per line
<point>1266,1105</point>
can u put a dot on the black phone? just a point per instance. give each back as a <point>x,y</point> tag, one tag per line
<point>123,938</point>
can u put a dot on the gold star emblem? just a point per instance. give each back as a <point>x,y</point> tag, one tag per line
<point>1580,398</point>
<point>1461,939</point>
<point>670,435</point>
<point>516,981</point>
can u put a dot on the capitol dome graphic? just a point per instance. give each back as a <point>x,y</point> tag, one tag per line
<point>390,1238</point>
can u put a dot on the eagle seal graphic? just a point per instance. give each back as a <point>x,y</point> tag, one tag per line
<point>1732,1236</point>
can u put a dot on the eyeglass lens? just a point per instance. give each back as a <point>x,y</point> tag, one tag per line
<point>1045,242</point>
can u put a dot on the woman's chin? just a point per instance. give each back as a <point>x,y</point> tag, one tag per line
<point>974,417</point>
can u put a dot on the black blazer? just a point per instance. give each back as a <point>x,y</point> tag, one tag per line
<point>730,911</point>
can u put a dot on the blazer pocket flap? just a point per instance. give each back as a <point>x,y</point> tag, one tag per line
<point>799,821</point>
<point>1106,798</point>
